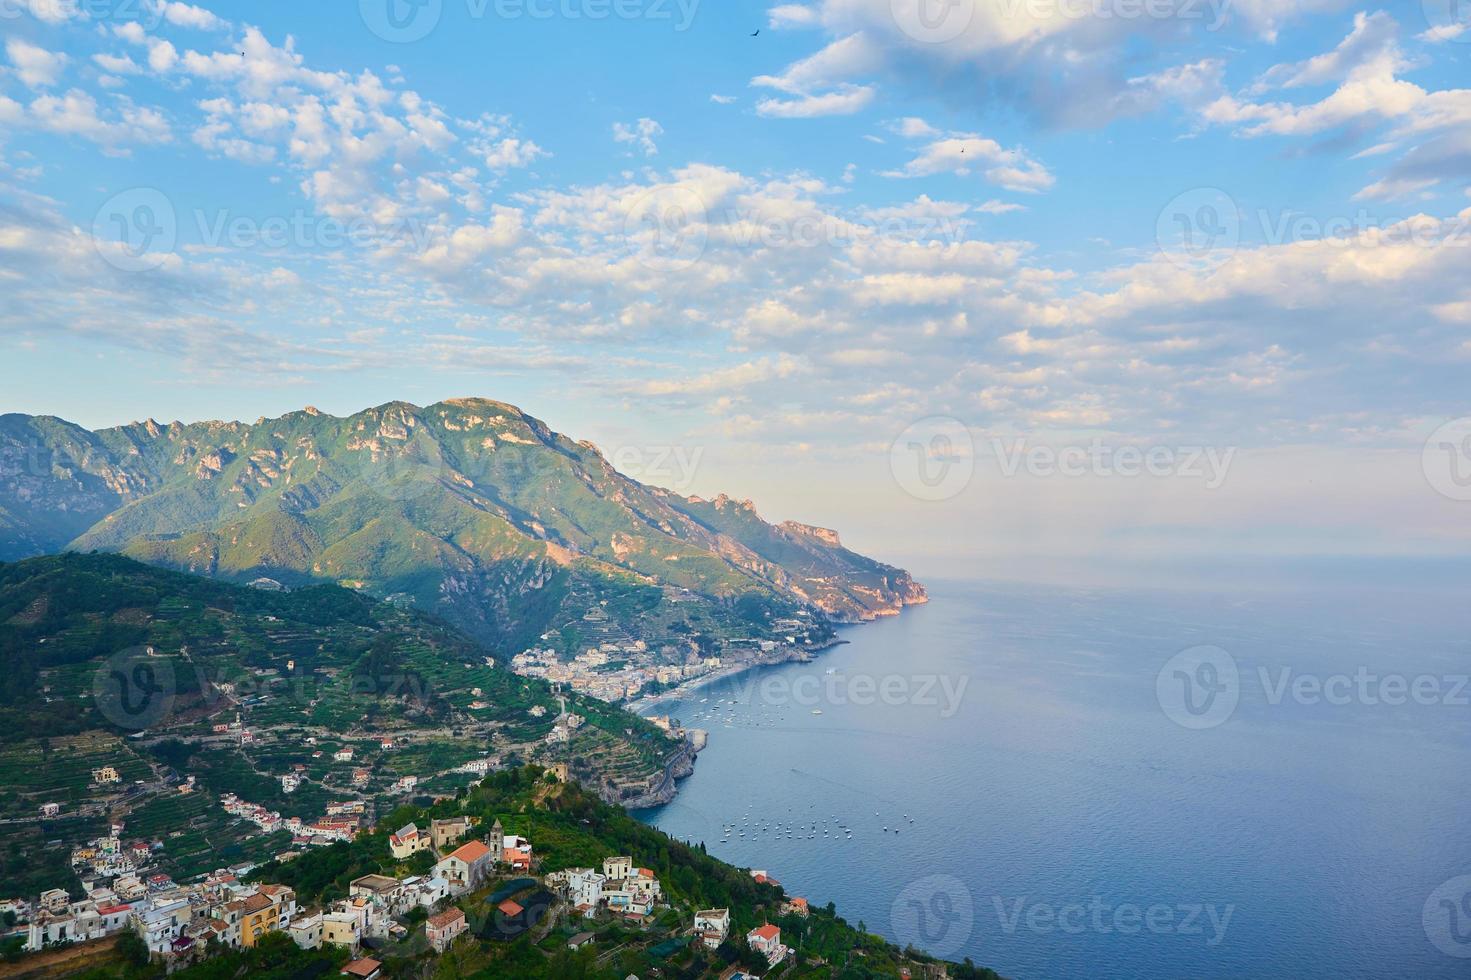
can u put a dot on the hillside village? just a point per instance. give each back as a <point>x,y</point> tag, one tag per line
<point>450,886</point>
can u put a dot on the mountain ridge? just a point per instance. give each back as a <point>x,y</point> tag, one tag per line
<point>471,507</point>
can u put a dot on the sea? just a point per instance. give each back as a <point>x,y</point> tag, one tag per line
<point>1132,783</point>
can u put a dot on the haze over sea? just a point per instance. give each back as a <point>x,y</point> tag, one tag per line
<point>1054,821</point>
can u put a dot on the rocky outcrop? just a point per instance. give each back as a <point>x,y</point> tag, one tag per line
<point>665,787</point>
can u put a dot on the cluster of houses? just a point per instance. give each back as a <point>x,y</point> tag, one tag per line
<point>172,920</point>
<point>610,671</point>
<point>110,857</point>
<point>341,823</point>
<point>179,921</point>
<point>620,887</point>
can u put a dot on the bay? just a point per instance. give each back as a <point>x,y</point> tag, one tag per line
<point>999,775</point>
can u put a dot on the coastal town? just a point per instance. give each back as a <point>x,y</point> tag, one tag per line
<point>619,669</point>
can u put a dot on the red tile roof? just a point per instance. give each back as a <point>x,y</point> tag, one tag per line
<point>364,967</point>
<point>510,908</point>
<point>471,852</point>
<point>767,932</point>
<point>445,919</point>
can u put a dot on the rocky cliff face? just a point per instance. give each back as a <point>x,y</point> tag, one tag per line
<point>469,507</point>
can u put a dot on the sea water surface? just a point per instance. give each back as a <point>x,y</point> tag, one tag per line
<point>993,776</point>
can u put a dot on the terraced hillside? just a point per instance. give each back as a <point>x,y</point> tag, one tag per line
<point>293,678</point>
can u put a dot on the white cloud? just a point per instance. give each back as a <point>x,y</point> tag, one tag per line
<point>34,65</point>
<point>76,113</point>
<point>816,84</point>
<point>843,101</point>
<point>512,152</point>
<point>187,15</point>
<point>965,153</point>
<point>792,15</point>
<point>639,134</point>
<point>117,64</point>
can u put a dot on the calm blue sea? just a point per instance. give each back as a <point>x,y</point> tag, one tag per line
<point>1048,817</point>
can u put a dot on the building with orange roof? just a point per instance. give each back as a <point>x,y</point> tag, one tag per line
<point>466,867</point>
<point>442,929</point>
<point>363,969</point>
<point>766,940</point>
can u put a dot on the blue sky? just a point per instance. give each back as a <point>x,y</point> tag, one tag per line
<point>1241,225</point>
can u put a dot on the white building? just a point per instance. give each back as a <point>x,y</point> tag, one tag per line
<point>766,940</point>
<point>712,926</point>
<point>585,889</point>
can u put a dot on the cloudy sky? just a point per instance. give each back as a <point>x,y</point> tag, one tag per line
<point>976,281</point>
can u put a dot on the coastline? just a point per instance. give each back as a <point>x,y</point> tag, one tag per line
<point>683,763</point>
<point>684,688</point>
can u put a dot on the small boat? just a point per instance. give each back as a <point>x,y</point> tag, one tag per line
<point>817,711</point>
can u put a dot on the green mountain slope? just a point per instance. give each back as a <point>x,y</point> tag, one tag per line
<point>470,507</point>
<point>306,673</point>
